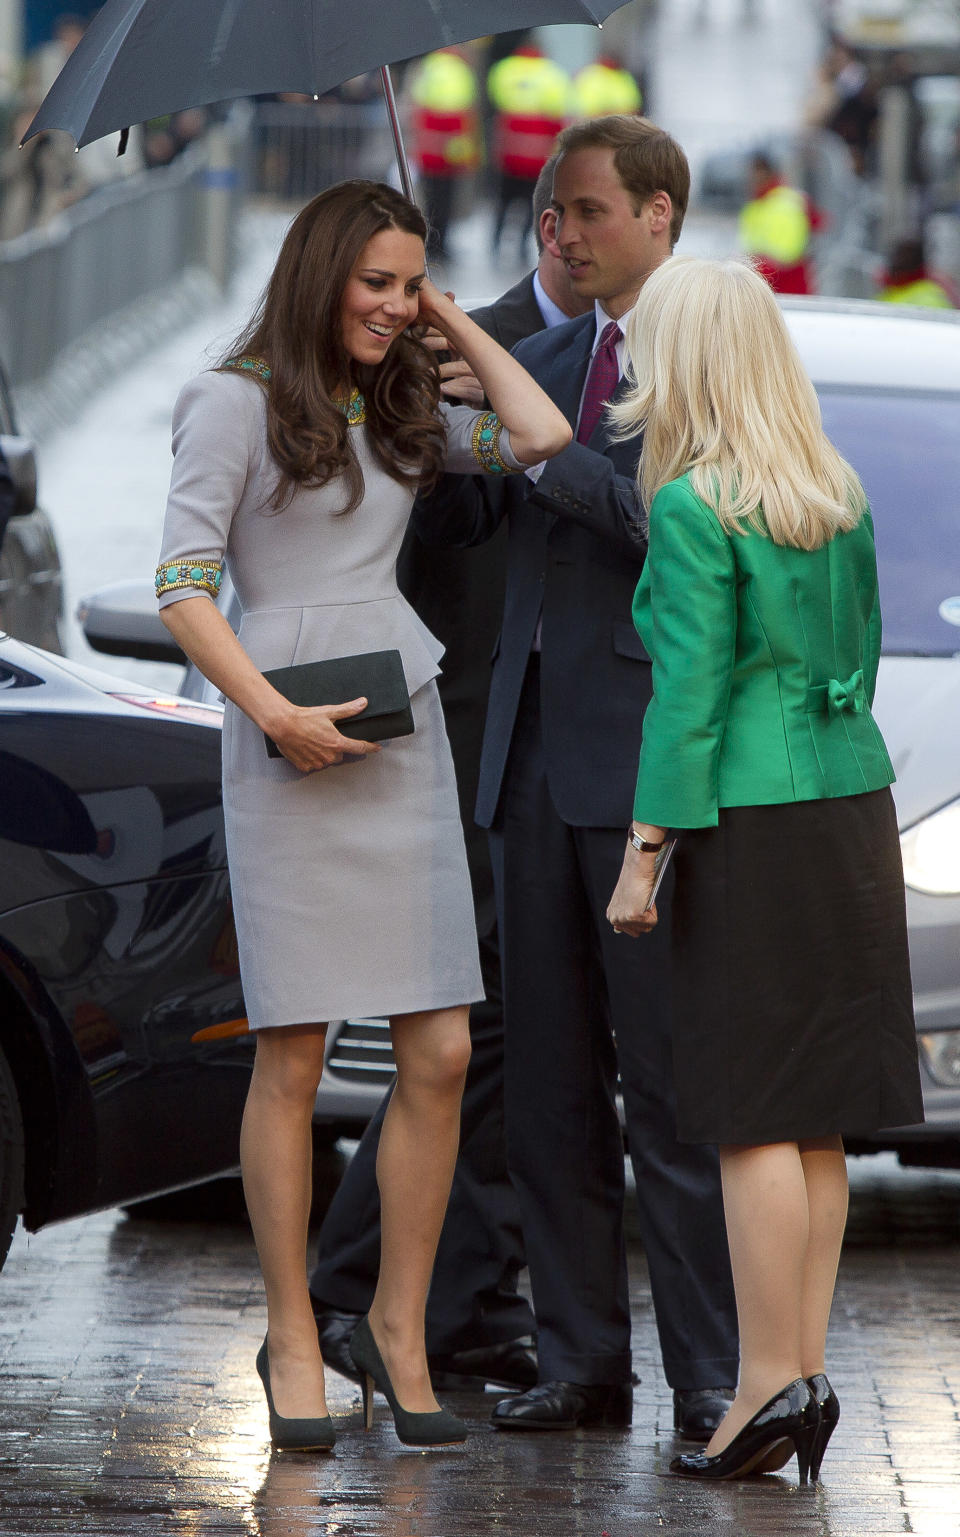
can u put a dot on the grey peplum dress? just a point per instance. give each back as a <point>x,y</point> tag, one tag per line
<point>350,886</point>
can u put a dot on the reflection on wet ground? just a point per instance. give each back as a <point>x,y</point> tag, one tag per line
<point>131,1406</point>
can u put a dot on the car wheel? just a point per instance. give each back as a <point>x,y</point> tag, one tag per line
<point>11,1157</point>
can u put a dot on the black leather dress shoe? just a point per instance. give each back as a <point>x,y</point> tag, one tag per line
<point>698,1411</point>
<point>334,1331</point>
<point>565,1406</point>
<point>509,1364</point>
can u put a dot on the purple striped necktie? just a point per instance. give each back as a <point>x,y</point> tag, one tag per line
<point>602,380</point>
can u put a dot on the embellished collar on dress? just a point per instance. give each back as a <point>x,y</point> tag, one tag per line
<point>353,407</point>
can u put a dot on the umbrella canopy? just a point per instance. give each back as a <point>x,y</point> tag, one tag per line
<point>143,58</point>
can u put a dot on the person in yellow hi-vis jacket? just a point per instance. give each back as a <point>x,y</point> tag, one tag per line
<point>531,95</point>
<point>775,227</point>
<point>605,86</point>
<point>446,137</point>
<point>907,279</point>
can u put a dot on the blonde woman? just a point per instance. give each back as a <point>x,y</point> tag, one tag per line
<point>793,1009</point>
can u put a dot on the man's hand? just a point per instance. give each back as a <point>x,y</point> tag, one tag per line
<point>457,379</point>
<point>459,382</point>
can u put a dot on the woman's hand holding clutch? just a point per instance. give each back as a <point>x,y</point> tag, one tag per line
<point>308,737</point>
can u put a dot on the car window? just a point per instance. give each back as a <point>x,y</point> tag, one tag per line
<point>906,450</point>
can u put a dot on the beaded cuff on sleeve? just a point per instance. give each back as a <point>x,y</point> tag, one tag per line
<point>486,445</point>
<point>199,571</point>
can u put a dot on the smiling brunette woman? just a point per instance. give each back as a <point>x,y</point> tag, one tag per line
<point>296,462</point>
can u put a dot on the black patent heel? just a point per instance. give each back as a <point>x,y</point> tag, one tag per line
<point>804,1442</point>
<point>366,1390</point>
<point>439,1428</point>
<point>829,1406</point>
<point>300,1435</point>
<point>787,1423</point>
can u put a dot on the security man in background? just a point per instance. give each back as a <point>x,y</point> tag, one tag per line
<point>605,86</point>
<point>446,136</point>
<point>531,95</point>
<point>908,280</point>
<point>775,228</point>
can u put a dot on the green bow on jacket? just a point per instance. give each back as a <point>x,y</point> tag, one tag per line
<point>834,696</point>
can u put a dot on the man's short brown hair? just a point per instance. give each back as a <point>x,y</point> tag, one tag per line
<point>646,158</point>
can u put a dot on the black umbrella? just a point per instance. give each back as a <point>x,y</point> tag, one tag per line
<point>141,59</point>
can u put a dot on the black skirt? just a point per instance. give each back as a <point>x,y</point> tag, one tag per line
<point>793,1011</point>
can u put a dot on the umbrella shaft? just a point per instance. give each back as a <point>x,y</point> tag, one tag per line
<point>406,180</point>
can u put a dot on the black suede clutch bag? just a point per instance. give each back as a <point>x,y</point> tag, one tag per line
<point>377,676</point>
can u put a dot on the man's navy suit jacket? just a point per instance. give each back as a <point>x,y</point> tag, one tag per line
<point>575,551</point>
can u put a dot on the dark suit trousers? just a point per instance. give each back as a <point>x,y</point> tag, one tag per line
<point>473,1297</point>
<point>579,1001</point>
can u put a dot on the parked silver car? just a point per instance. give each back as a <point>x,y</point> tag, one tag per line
<point>889,386</point>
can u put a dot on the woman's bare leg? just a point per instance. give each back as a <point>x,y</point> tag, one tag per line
<point>765,1203</point>
<point>418,1150</point>
<point>276,1154</point>
<point>825,1175</point>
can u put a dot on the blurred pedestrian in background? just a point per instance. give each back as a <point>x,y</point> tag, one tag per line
<point>46,62</point>
<point>36,182</point>
<point>531,95</point>
<point>775,228</point>
<point>164,138</point>
<point>908,279</point>
<point>843,101</point>
<point>604,86</point>
<point>446,136</point>
<point>793,1006</point>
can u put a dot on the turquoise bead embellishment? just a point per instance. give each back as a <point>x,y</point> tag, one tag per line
<point>354,409</point>
<point>200,572</point>
<point>249,365</point>
<point>486,444</point>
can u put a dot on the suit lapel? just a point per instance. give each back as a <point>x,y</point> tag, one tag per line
<point>563,379</point>
<point>518,313</point>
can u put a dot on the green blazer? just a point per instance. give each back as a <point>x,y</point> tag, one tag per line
<point>764,667</point>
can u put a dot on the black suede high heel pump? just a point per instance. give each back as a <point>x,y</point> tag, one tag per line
<point>439,1428</point>
<point>829,1405</point>
<point>313,1435</point>
<point>787,1423</point>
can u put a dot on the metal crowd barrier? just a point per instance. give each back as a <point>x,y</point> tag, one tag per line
<point>123,242</point>
<point>299,148</point>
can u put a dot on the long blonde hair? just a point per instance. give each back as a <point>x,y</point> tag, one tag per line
<point>719,390</point>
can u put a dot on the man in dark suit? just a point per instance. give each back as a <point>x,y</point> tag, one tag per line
<point>476,1320</point>
<point>570,684</point>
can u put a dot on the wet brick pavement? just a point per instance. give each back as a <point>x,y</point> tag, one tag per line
<point>130,1405</point>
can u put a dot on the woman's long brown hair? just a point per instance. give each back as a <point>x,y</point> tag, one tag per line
<point>297,331</point>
